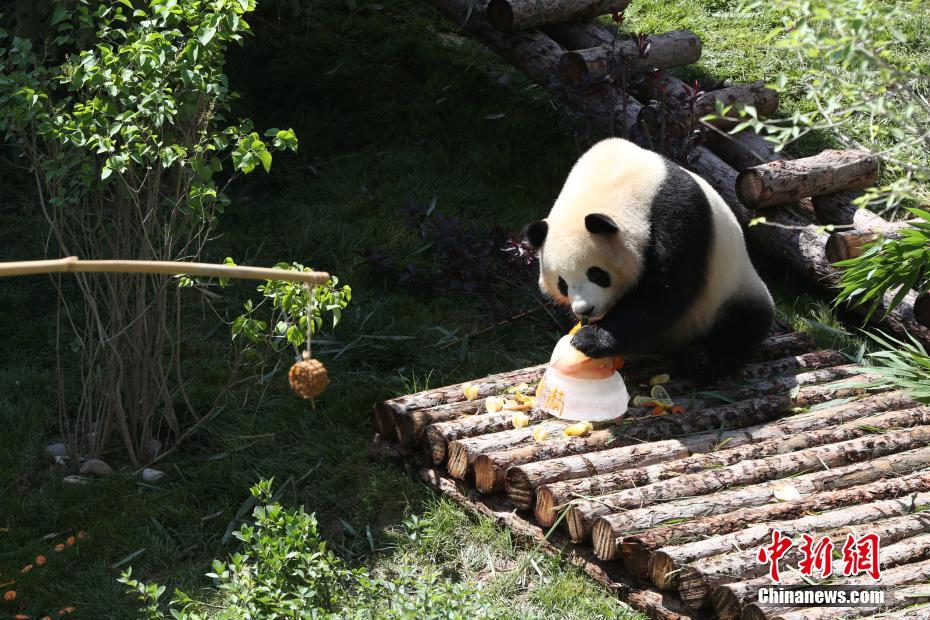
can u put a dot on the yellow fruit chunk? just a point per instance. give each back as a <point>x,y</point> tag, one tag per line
<point>493,404</point>
<point>642,401</point>
<point>470,391</point>
<point>575,329</point>
<point>540,433</point>
<point>578,429</point>
<point>659,379</point>
<point>520,420</point>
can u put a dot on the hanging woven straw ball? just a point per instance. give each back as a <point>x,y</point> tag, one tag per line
<point>308,377</point>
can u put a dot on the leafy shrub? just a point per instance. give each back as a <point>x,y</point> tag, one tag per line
<point>127,136</point>
<point>285,570</point>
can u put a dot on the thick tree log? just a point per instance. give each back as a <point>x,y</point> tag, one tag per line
<point>729,599</point>
<point>906,574</point>
<point>846,244</point>
<point>554,544</point>
<point>838,209</point>
<point>581,515</point>
<point>510,15</point>
<point>783,182</point>
<point>593,64</point>
<point>695,580</point>
<point>896,465</point>
<point>759,440</point>
<point>742,150</point>
<point>635,549</point>
<point>793,438</point>
<point>679,117</point>
<point>439,436</point>
<point>489,472</point>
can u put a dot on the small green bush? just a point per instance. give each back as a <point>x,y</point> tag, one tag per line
<point>285,570</point>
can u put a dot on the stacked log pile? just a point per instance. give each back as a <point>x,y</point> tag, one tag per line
<point>670,510</point>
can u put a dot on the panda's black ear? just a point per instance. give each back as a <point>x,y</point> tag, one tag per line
<point>600,224</point>
<point>535,233</point>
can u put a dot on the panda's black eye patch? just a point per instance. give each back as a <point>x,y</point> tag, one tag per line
<point>599,277</point>
<point>563,287</point>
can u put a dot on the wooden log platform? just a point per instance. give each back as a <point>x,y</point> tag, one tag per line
<point>668,511</point>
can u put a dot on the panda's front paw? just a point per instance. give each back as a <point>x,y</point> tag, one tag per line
<point>595,342</point>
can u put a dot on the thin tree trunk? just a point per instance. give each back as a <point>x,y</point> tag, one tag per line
<point>510,15</point>
<point>591,65</point>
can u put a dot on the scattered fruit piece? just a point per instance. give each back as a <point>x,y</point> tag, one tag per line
<point>575,329</point>
<point>66,610</point>
<point>40,560</point>
<point>26,568</point>
<point>786,493</point>
<point>470,391</point>
<point>520,420</point>
<point>579,429</point>
<point>22,617</point>
<point>9,595</point>
<point>540,433</point>
<point>678,409</point>
<point>70,541</point>
<point>516,389</point>
<point>642,401</point>
<point>659,379</point>
<point>493,404</point>
<point>59,548</point>
<point>657,411</point>
<point>513,406</point>
<point>82,535</point>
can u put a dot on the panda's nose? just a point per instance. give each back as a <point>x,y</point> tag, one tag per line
<point>582,308</point>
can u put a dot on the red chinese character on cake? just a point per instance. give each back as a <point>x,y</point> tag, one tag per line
<point>817,556</point>
<point>860,555</point>
<point>772,553</point>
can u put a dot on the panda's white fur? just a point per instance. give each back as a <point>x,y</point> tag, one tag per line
<point>620,180</point>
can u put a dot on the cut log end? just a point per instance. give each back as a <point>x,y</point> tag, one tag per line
<point>486,475</point>
<point>545,507</point>
<point>436,445</point>
<point>693,588</point>
<point>605,545</point>
<point>573,68</point>
<point>500,14</point>
<point>634,554</point>
<point>750,189</point>
<point>458,460</point>
<point>922,309</point>
<point>519,489</point>
<point>383,419</point>
<point>579,526</point>
<point>726,604</point>
<point>662,571</point>
<point>848,244</point>
<point>753,612</point>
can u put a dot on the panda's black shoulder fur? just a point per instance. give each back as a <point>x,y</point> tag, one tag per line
<point>681,237</point>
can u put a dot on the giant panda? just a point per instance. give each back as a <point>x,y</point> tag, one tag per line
<point>652,257</point>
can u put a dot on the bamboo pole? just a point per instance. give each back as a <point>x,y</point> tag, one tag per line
<point>72,264</point>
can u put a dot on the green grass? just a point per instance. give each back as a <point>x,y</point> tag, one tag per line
<point>389,104</point>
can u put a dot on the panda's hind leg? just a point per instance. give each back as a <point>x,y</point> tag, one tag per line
<point>731,342</point>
